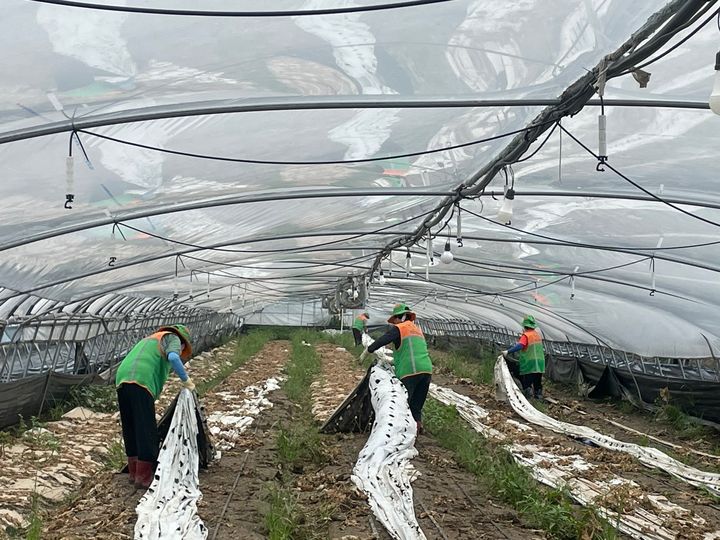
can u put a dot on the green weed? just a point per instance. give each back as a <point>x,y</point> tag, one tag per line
<point>35,527</point>
<point>115,458</point>
<point>283,517</point>
<point>98,398</point>
<point>466,364</point>
<point>496,470</point>
<point>246,347</point>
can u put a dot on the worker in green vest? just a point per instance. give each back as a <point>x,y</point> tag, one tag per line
<point>140,379</point>
<point>359,327</point>
<point>411,360</point>
<point>531,356</point>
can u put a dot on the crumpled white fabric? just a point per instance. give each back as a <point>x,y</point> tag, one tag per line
<point>168,510</point>
<point>383,470</point>
<point>648,456</point>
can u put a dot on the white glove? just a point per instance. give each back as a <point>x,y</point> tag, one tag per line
<point>364,354</point>
<point>189,384</point>
<point>504,353</point>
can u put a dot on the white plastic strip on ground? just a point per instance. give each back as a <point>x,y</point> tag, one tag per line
<point>644,516</point>
<point>168,510</point>
<point>228,424</point>
<point>650,457</point>
<point>383,470</point>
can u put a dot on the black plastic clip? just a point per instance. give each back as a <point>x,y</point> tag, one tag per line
<point>601,162</point>
<point>112,261</point>
<point>460,242</point>
<point>69,199</point>
<point>652,292</point>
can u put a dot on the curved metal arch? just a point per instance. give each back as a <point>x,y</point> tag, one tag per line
<point>276,104</point>
<point>268,196</point>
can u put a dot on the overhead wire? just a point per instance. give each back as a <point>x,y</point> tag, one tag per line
<point>244,14</point>
<point>589,245</point>
<point>638,186</point>
<point>309,162</point>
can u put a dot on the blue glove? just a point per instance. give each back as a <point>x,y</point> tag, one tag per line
<point>176,363</point>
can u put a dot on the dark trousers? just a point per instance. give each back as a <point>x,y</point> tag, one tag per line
<point>139,428</point>
<point>417,387</point>
<point>357,334</point>
<point>532,384</point>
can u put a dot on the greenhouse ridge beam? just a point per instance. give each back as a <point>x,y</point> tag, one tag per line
<point>210,108</point>
<point>670,19</point>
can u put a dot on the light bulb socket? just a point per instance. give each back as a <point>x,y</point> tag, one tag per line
<point>717,61</point>
<point>447,245</point>
<point>510,194</point>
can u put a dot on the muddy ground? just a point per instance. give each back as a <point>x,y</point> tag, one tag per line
<point>236,488</point>
<point>105,506</point>
<point>570,409</point>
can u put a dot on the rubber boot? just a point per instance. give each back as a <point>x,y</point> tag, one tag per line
<point>144,474</point>
<point>528,392</point>
<point>538,394</point>
<point>132,468</point>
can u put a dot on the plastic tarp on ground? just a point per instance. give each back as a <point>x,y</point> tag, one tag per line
<point>169,507</point>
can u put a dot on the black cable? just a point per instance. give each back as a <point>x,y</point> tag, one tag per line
<point>638,186</point>
<point>324,162</point>
<point>587,245</point>
<point>282,250</point>
<point>679,43</point>
<point>205,13</point>
<point>547,138</point>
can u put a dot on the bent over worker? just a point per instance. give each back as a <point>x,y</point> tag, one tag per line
<point>411,360</point>
<point>360,327</point>
<point>140,379</point>
<point>532,358</point>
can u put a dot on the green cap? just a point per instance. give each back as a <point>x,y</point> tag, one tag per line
<point>184,334</point>
<point>401,309</point>
<point>529,322</point>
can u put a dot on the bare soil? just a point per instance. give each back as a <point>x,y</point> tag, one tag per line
<point>568,408</point>
<point>105,506</point>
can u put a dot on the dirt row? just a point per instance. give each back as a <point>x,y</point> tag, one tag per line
<point>53,461</point>
<point>606,463</point>
<point>105,507</point>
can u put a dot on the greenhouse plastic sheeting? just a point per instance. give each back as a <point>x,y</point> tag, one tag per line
<point>251,227</point>
<point>169,507</point>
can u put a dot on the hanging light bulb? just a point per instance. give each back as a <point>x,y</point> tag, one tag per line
<point>505,214</point>
<point>447,256</point>
<point>715,95</point>
<point>407,264</point>
<point>381,279</point>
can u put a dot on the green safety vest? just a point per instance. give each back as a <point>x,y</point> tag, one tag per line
<point>412,357</point>
<point>532,358</point>
<point>359,323</point>
<point>146,365</point>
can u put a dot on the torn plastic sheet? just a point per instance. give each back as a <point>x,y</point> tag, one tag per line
<point>383,470</point>
<point>169,507</point>
<point>652,517</point>
<point>227,425</point>
<point>648,456</point>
